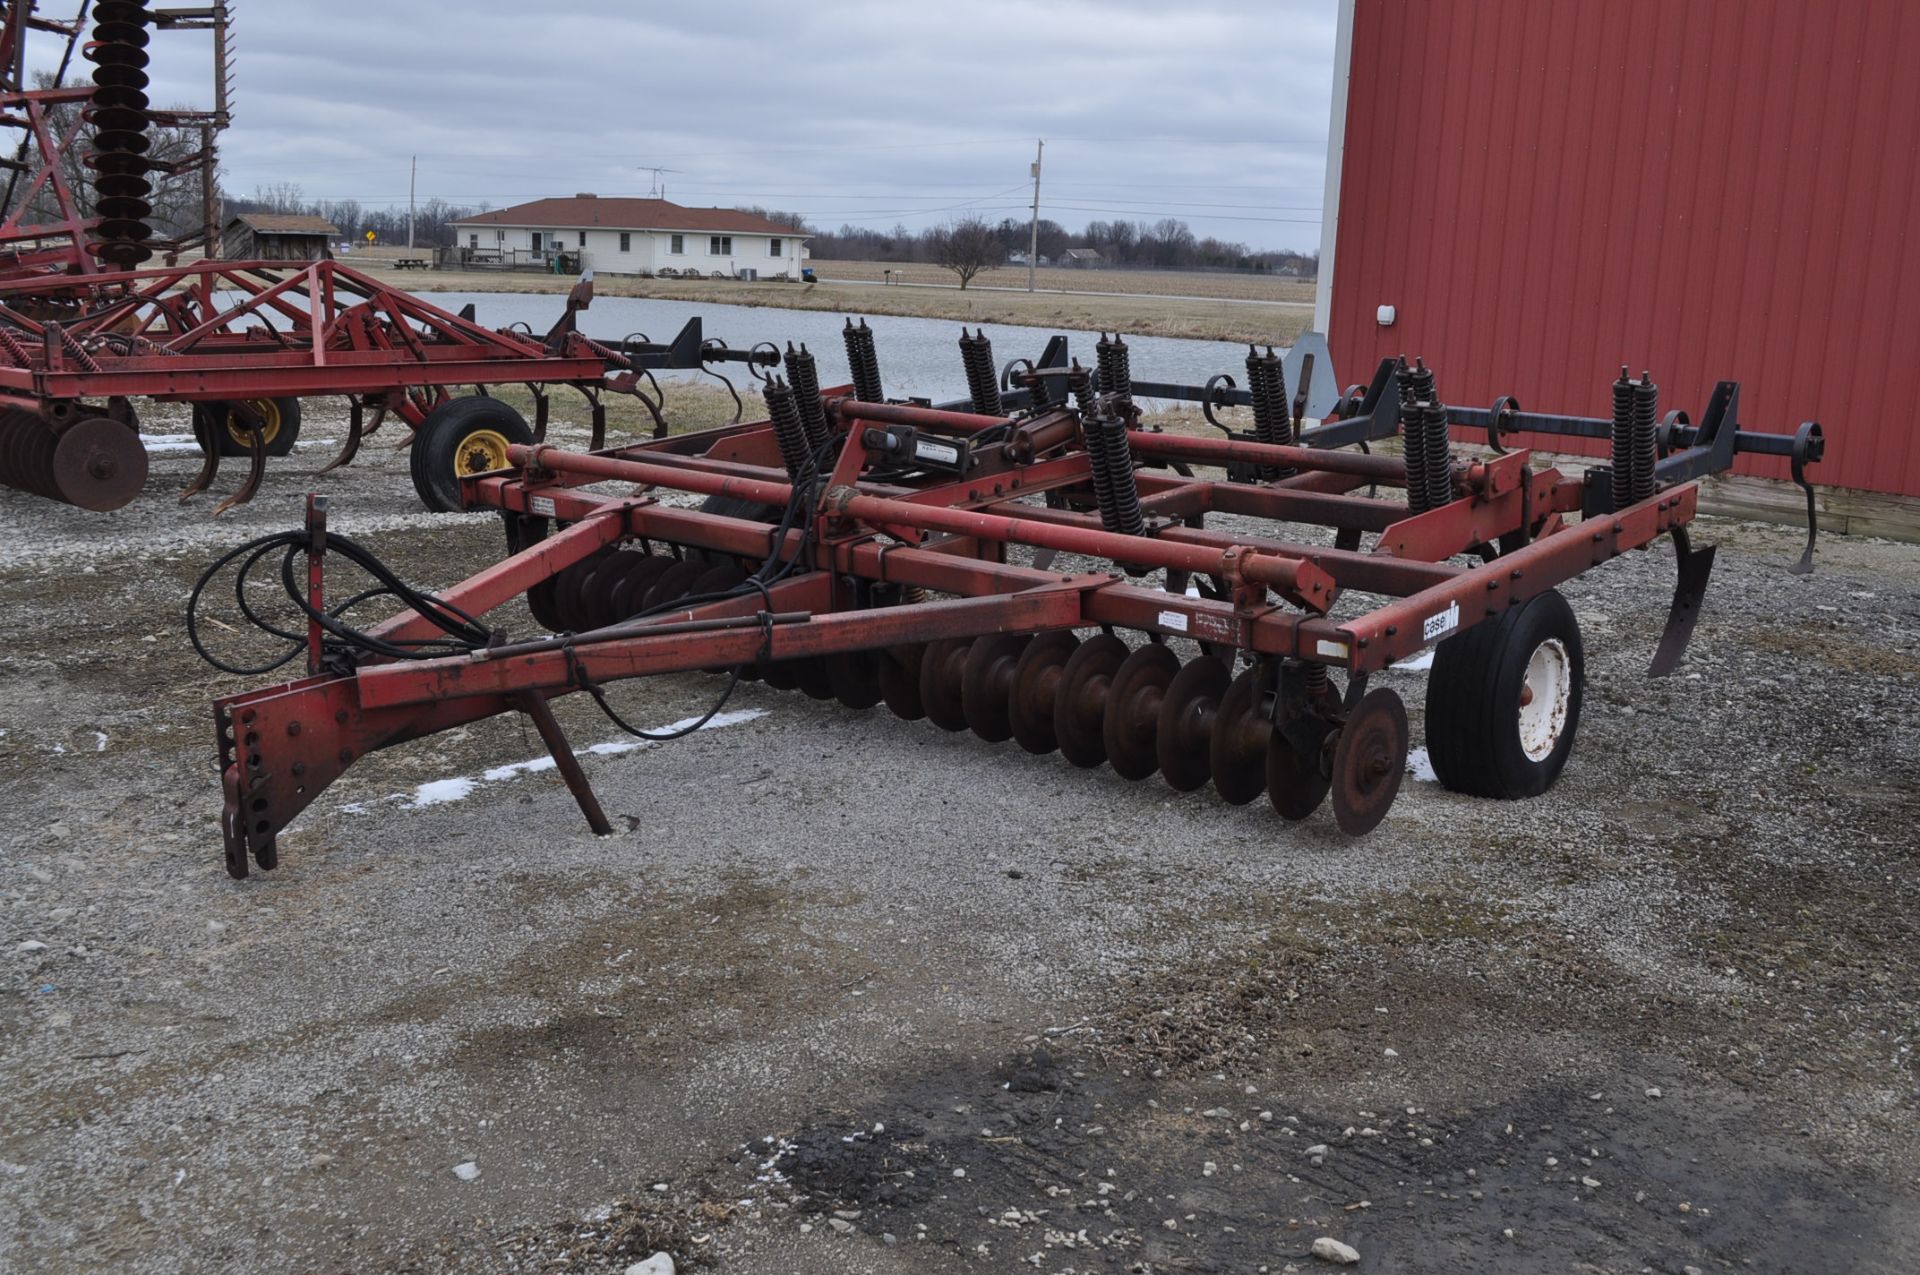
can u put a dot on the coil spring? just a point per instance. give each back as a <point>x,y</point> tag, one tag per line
<point>864,362</point>
<point>1080,383</point>
<point>1622,439</point>
<point>120,119</point>
<point>1415,384</point>
<point>15,351</point>
<point>1262,404</point>
<point>1115,362</point>
<point>1423,429</point>
<point>1278,414</point>
<point>1317,681</point>
<point>1438,475</point>
<point>983,383</point>
<point>1646,449</point>
<point>75,351</point>
<point>804,378</point>
<point>1120,505</point>
<point>789,431</point>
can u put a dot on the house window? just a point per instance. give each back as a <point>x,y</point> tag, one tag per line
<point>499,236</point>
<point>626,241</point>
<point>677,245</point>
<point>534,239</point>
<point>773,251</point>
<point>720,245</point>
<point>473,241</point>
<point>583,239</point>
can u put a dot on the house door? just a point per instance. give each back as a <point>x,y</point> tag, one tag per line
<point>534,241</point>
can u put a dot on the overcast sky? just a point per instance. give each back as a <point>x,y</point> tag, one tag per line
<point>1213,111</point>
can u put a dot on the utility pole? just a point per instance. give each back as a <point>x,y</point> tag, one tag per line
<point>412,176</point>
<point>1033,226</point>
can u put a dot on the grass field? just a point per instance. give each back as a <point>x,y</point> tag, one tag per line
<point>1151,283</point>
<point>1145,314</point>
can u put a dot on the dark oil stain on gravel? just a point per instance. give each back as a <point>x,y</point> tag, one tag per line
<point>1087,1168</point>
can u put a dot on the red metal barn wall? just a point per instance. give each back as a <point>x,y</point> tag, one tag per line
<point>1710,189</point>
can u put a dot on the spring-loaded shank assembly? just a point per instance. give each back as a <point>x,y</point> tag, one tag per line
<point>907,557</point>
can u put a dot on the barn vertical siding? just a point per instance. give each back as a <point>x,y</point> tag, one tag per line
<point>1715,189</point>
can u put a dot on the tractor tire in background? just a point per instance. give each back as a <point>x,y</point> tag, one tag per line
<point>282,430</point>
<point>459,438</point>
<point>1503,700</point>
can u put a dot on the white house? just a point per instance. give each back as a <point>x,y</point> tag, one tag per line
<point>635,236</point>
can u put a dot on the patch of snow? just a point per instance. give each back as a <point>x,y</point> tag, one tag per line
<point>1415,663</point>
<point>1420,766</point>
<point>440,792</point>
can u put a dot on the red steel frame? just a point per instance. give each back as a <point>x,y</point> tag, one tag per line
<point>280,747</point>
<point>220,330</point>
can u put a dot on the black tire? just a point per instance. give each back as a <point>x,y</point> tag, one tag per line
<point>1474,724</point>
<point>462,436</point>
<point>282,430</point>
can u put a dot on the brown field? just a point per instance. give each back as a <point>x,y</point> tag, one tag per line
<point>1225,319</point>
<point>1151,283</point>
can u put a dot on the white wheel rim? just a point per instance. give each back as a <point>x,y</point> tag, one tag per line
<point>1543,699</point>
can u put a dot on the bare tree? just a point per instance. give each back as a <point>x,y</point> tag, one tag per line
<point>967,248</point>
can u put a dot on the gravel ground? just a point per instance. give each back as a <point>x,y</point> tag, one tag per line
<point>851,994</point>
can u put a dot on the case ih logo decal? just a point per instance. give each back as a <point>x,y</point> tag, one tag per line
<point>1444,622</point>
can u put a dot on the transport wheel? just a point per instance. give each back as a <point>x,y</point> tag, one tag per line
<point>984,683</point>
<point>1080,705</point>
<point>1184,740</point>
<point>279,429</point>
<point>1238,750</point>
<point>942,675</point>
<point>1036,681</point>
<point>1369,762</point>
<point>1132,721</point>
<point>462,436</point>
<point>900,681</point>
<point>1503,700</point>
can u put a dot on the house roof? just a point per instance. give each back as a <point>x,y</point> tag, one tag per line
<point>285,224</point>
<point>582,211</point>
<point>1082,254</point>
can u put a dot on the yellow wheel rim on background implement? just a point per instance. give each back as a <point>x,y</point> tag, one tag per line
<point>480,451</point>
<point>269,422</point>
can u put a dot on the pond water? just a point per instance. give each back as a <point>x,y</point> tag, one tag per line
<point>918,357</point>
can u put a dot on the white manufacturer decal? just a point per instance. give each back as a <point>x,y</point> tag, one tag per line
<point>540,505</point>
<point>1173,620</point>
<point>1338,650</point>
<point>1444,622</point>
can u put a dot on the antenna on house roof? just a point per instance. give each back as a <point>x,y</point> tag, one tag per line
<point>657,191</point>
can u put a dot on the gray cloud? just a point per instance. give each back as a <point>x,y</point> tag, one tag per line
<point>1211,111</point>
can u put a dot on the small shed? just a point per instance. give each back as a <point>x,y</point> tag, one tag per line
<point>277,237</point>
<point>1082,257</point>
